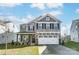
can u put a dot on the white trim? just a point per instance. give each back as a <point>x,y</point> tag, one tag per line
<point>47,15</point>
<point>47,22</point>
<point>49,32</point>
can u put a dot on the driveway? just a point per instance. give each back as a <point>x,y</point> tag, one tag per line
<point>59,50</point>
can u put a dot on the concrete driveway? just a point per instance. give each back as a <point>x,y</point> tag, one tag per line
<point>59,50</point>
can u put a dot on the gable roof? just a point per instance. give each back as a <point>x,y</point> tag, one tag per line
<point>74,23</point>
<point>1,22</point>
<point>40,19</point>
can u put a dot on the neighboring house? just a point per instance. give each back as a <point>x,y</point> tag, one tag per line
<point>74,31</point>
<point>7,37</point>
<point>43,30</point>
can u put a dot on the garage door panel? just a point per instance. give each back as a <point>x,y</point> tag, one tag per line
<point>48,41</point>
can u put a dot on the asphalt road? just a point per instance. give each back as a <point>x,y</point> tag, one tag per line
<point>59,50</point>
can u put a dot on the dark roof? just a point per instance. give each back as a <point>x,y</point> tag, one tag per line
<point>40,18</point>
<point>52,18</point>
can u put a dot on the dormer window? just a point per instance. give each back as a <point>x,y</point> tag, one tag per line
<point>47,18</point>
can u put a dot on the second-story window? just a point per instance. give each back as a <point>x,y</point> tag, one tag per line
<point>56,26</point>
<point>51,26</point>
<point>39,26</point>
<point>43,26</point>
<point>31,27</point>
<point>28,27</point>
<point>47,26</point>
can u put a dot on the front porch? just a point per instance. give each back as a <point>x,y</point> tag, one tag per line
<point>27,38</point>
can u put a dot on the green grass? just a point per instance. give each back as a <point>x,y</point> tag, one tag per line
<point>19,49</point>
<point>72,45</point>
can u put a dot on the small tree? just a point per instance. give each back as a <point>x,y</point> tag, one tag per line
<point>12,42</point>
<point>62,42</point>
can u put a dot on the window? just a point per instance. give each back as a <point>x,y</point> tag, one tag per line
<point>43,26</point>
<point>47,26</point>
<point>40,26</point>
<point>50,36</point>
<point>47,18</point>
<point>56,34</point>
<point>44,33</point>
<point>40,33</point>
<point>31,27</point>
<point>56,27</point>
<point>23,26</point>
<point>48,33</point>
<point>51,26</point>
<point>40,36</point>
<point>52,33</point>
<point>45,36</point>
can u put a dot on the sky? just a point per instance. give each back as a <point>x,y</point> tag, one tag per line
<point>20,13</point>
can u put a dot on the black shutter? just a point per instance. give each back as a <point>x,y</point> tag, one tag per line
<point>58,26</point>
<point>50,25</point>
<point>28,27</point>
<point>44,26</point>
<point>37,26</point>
<point>33,27</point>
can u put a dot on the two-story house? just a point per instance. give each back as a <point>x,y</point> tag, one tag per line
<point>6,37</point>
<point>74,31</point>
<point>42,30</point>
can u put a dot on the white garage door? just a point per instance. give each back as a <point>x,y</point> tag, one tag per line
<point>48,41</point>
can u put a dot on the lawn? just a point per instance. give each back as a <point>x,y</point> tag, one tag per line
<point>72,45</point>
<point>19,50</point>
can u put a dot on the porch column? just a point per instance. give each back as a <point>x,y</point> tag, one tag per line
<point>36,40</point>
<point>31,40</point>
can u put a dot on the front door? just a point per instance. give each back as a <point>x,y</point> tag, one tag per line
<point>33,40</point>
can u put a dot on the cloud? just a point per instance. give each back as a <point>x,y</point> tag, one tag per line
<point>9,4</point>
<point>56,13</point>
<point>40,6</point>
<point>77,10</point>
<point>27,19</point>
<point>55,5</point>
<point>43,6</point>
